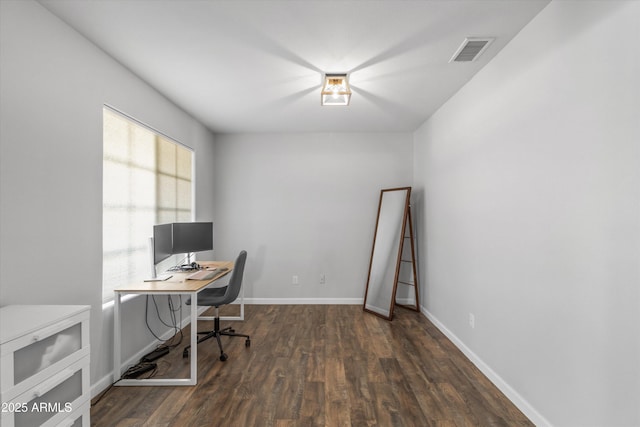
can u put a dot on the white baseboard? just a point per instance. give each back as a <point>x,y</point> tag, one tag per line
<point>504,387</point>
<point>102,384</point>
<point>304,301</point>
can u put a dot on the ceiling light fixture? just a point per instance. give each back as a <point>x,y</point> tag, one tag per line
<point>336,90</point>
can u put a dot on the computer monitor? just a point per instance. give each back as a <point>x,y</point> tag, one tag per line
<point>192,237</point>
<point>178,238</point>
<point>162,242</point>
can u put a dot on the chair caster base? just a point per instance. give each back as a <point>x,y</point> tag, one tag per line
<point>223,357</point>
<point>247,343</point>
<point>185,353</point>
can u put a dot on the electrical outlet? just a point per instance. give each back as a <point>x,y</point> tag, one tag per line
<point>472,320</point>
<point>295,281</point>
<point>323,279</point>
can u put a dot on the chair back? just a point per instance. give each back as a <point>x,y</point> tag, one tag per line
<point>235,282</point>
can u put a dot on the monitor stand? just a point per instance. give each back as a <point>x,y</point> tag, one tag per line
<point>155,277</point>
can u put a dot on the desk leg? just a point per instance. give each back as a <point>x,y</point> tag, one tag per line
<point>116,338</point>
<point>117,333</point>
<point>194,338</point>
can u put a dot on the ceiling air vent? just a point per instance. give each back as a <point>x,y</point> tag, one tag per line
<point>471,48</point>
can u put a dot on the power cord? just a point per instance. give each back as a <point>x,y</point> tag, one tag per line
<point>143,366</point>
<point>175,323</point>
<point>140,368</point>
<point>132,372</point>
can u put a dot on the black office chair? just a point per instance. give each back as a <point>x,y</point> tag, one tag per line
<point>215,297</point>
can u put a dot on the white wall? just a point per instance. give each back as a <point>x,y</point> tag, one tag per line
<point>305,205</point>
<point>54,84</point>
<point>528,182</point>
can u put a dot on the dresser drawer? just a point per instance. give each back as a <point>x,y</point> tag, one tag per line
<point>33,351</point>
<point>79,418</point>
<point>53,401</point>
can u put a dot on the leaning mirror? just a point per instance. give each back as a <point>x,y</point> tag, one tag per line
<point>384,266</point>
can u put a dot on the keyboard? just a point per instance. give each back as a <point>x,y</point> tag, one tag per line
<point>159,278</point>
<point>202,275</point>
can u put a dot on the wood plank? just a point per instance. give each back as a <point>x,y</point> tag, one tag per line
<point>337,408</point>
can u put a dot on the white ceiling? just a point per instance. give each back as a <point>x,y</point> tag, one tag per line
<point>256,66</point>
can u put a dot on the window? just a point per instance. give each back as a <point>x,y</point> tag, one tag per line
<point>147,180</point>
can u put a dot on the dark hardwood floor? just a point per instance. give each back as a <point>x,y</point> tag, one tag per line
<point>318,365</point>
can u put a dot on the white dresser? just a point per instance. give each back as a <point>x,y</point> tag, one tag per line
<point>44,365</point>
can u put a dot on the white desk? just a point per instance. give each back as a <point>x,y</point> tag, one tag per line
<point>176,285</point>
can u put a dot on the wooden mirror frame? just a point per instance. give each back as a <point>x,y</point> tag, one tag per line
<point>382,282</point>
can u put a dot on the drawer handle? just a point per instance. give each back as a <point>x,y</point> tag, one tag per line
<point>67,423</point>
<point>47,385</point>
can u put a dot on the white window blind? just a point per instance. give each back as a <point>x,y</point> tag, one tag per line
<point>147,180</point>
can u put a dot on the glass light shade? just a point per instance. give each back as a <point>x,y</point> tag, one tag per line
<point>336,90</point>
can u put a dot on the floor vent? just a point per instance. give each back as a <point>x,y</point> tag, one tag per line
<point>471,48</point>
